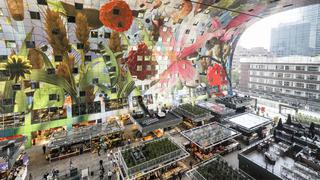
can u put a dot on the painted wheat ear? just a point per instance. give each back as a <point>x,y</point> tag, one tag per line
<point>56,33</point>
<point>83,30</point>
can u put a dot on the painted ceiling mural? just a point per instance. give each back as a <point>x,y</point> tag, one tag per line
<point>78,50</point>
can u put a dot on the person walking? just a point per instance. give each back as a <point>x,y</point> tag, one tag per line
<point>44,148</point>
<point>30,176</point>
<point>99,150</point>
<point>70,163</point>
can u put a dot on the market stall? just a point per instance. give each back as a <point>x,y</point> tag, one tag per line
<point>210,139</point>
<point>218,110</point>
<point>236,102</point>
<point>193,115</point>
<point>252,127</point>
<point>65,144</point>
<point>148,124</point>
<point>144,158</point>
<point>216,168</point>
<point>13,159</point>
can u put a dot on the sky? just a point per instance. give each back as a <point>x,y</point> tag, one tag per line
<point>259,34</point>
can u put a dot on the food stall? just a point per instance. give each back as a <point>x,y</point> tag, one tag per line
<point>216,168</point>
<point>13,159</point>
<point>148,124</point>
<point>237,103</point>
<point>219,111</point>
<point>251,126</point>
<point>193,115</point>
<point>210,139</point>
<point>65,144</point>
<point>151,159</point>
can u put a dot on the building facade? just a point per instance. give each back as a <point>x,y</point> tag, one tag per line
<point>298,38</point>
<point>294,80</point>
<point>242,52</point>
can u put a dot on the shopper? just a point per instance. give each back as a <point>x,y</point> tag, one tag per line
<point>44,148</point>
<point>109,175</point>
<point>99,150</point>
<point>70,163</point>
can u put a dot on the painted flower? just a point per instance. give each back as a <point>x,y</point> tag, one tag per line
<point>116,15</point>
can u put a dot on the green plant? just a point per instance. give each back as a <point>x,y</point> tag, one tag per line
<point>150,150</point>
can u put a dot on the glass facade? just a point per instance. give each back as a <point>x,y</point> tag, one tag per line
<point>298,38</point>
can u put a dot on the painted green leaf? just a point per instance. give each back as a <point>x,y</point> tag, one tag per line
<point>43,76</point>
<point>23,51</point>
<point>56,6</point>
<point>21,104</point>
<point>125,40</point>
<point>41,96</point>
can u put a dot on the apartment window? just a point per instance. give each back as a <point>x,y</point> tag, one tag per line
<point>11,44</point>
<point>289,91</point>
<point>148,67</point>
<point>271,74</point>
<point>147,58</point>
<point>313,68</point>
<point>139,58</point>
<point>312,77</point>
<point>286,83</point>
<point>34,15</point>
<point>298,93</point>
<point>299,85</point>
<point>269,89</point>
<point>278,90</point>
<point>3,57</point>
<point>299,76</point>
<point>287,75</point>
<point>279,67</point>
<point>139,68</point>
<point>42,2</point>
<point>94,34</point>
<point>107,35</point>
<point>312,86</point>
<point>311,95</point>
<point>279,83</point>
<point>286,67</point>
<point>71,19</point>
<point>270,81</point>
<point>260,87</point>
<point>280,75</point>
<point>184,66</point>
<point>78,6</point>
<point>300,68</point>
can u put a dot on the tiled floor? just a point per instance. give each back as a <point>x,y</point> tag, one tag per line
<point>39,165</point>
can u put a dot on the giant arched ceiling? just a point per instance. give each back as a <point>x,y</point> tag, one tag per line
<point>175,35</point>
